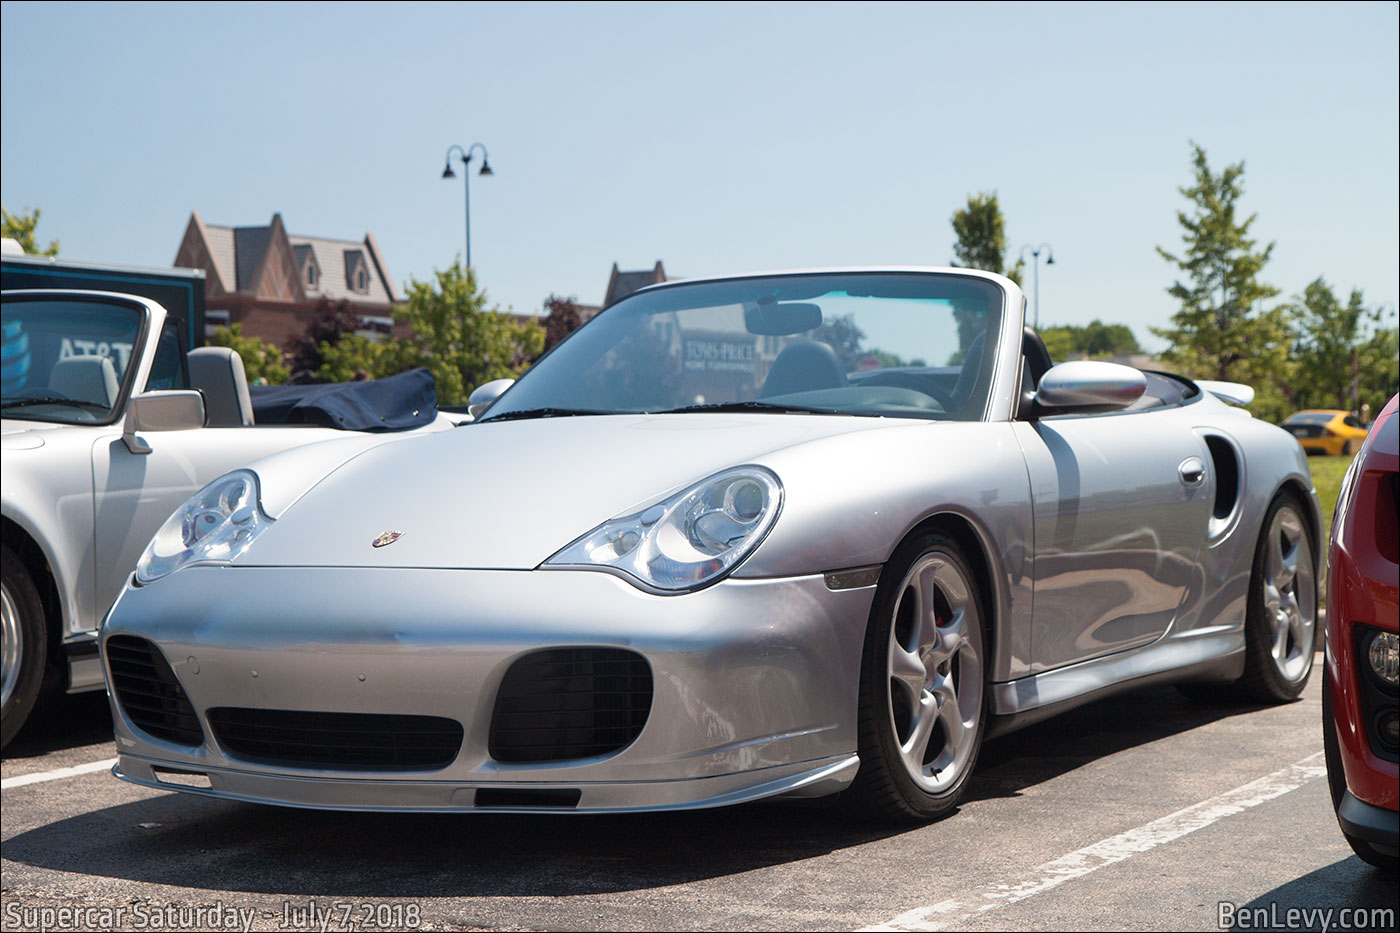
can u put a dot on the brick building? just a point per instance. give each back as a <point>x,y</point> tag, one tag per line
<point>271,281</point>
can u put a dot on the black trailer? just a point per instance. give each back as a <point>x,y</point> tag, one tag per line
<point>179,291</point>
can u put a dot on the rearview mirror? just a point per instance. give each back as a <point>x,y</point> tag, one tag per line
<point>174,410</point>
<point>782,320</point>
<point>486,393</point>
<point>1089,385</point>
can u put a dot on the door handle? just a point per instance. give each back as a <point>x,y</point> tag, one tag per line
<point>1192,471</point>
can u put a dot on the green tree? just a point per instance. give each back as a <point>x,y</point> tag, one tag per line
<point>1095,340</point>
<point>1330,337</point>
<point>262,362</point>
<point>1378,365</point>
<point>20,227</point>
<point>981,244</point>
<point>459,339</point>
<point>981,233</point>
<point>355,357</point>
<point>1221,330</point>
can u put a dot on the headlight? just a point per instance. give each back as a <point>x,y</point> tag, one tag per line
<point>690,540</point>
<point>214,526</point>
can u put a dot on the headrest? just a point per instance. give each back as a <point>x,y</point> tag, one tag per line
<point>85,379</point>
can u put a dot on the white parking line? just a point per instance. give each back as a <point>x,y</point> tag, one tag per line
<point>957,911</point>
<point>57,774</point>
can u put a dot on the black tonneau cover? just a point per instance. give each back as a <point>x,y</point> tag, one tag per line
<point>394,403</point>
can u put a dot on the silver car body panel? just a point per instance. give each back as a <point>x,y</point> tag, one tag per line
<point>1107,563</point>
<point>752,677</point>
<point>90,505</point>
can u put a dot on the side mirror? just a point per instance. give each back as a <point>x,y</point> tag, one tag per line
<point>175,410</point>
<point>486,393</point>
<point>1089,385</point>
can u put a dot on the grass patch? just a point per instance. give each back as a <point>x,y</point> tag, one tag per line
<point>1327,473</point>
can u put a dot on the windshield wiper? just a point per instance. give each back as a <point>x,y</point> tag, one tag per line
<point>51,400</point>
<point>753,406</point>
<point>525,413</point>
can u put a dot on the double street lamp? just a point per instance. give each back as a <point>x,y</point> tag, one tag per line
<point>466,157</point>
<point>1035,258</point>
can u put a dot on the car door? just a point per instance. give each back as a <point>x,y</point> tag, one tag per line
<point>1121,503</point>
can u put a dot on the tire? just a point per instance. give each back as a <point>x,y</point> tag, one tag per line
<point>1353,447</point>
<point>923,685</point>
<point>25,644</point>
<point>1281,618</point>
<point>1337,782</point>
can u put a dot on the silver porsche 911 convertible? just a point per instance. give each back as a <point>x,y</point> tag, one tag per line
<point>786,534</point>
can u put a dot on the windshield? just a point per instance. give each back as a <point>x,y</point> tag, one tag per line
<point>65,360</point>
<point>1311,417</point>
<point>895,344</point>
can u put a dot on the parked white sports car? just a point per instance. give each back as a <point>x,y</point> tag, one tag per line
<point>734,538</point>
<point>109,424</point>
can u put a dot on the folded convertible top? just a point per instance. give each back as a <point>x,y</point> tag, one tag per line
<point>394,403</point>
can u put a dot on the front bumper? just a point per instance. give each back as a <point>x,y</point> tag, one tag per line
<point>755,682</point>
<point>1376,825</point>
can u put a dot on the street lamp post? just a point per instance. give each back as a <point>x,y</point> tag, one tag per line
<point>466,157</point>
<point>1035,259</point>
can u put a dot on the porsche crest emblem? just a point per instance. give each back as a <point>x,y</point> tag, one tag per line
<point>388,537</point>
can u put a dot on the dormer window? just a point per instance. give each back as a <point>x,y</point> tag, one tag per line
<point>357,271</point>
<point>310,269</point>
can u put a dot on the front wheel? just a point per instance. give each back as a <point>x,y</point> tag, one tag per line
<point>24,646</point>
<point>1281,618</point>
<point>923,684</point>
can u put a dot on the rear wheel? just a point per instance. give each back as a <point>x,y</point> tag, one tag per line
<point>1353,447</point>
<point>24,646</point>
<point>923,684</point>
<point>1281,619</point>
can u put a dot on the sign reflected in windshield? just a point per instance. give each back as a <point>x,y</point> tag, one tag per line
<point>719,355</point>
<point>78,347</point>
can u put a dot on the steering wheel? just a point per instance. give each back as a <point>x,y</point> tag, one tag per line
<point>910,381</point>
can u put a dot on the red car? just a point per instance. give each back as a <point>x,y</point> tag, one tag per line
<point>1360,710</point>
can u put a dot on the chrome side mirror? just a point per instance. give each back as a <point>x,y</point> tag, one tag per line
<point>1089,385</point>
<point>174,410</point>
<point>486,393</point>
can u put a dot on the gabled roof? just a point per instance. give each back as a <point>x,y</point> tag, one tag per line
<point>220,243</point>
<point>249,246</point>
<point>244,257</point>
<point>338,260</point>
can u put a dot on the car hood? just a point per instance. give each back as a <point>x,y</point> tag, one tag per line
<point>509,495</point>
<point>20,434</point>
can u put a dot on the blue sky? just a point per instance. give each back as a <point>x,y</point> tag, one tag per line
<point>717,138</point>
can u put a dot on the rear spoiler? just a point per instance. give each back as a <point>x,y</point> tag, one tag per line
<point>1231,392</point>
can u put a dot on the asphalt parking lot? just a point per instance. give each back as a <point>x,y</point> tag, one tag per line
<point>1147,811</point>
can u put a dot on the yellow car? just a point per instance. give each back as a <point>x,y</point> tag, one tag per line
<point>1326,431</point>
